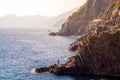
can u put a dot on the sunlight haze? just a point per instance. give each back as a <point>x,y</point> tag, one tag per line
<point>38,7</point>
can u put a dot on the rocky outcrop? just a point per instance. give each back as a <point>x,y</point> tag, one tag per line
<point>97,54</point>
<point>114,18</point>
<point>78,23</point>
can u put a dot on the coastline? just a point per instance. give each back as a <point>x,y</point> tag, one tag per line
<point>97,51</point>
<point>75,67</point>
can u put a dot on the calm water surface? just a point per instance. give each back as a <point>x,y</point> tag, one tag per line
<point>24,49</point>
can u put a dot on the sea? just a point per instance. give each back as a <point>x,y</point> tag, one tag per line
<point>23,49</point>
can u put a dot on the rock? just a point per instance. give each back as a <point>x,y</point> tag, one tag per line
<point>53,34</point>
<point>100,54</point>
<point>98,51</point>
<point>73,47</point>
<point>79,22</point>
<point>87,18</point>
<point>97,54</point>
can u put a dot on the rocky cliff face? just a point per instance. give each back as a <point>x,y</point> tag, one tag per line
<point>97,53</point>
<point>78,22</point>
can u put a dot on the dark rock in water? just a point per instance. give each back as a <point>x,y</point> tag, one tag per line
<point>54,33</point>
<point>51,69</point>
<point>40,70</point>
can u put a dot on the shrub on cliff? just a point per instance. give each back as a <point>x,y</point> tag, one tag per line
<point>117,3</point>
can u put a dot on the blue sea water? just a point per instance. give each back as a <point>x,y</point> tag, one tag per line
<point>21,50</point>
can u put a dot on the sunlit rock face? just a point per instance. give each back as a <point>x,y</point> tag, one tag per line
<point>97,53</point>
<point>78,22</point>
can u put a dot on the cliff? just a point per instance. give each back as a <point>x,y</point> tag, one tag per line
<point>78,22</point>
<point>97,53</point>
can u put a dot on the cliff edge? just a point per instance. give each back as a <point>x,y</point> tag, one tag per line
<point>78,22</point>
<point>97,53</point>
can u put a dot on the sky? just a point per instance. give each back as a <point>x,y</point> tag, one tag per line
<point>38,7</point>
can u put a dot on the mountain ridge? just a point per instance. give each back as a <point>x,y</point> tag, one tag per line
<point>35,21</point>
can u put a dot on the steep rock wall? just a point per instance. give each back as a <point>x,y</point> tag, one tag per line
<point>77,23</point>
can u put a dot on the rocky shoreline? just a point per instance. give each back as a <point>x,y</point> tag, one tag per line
<point>100,58</point>
<point>98,51</point>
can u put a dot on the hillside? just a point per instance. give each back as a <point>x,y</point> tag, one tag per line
<point>78,22</point>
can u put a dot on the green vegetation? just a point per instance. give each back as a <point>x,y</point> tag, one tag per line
<point>111,7</point>
<point>113,33</point>
<point>117,3</point>
<point>78,14</point>
<point>114,4</point>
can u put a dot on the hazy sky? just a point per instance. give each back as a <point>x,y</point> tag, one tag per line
<point>37,7</point>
